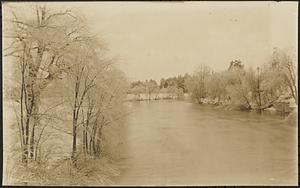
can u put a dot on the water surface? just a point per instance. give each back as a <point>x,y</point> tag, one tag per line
<point>177,142</point>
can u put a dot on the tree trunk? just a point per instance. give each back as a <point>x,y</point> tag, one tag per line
<point>84,141</point>
<point>74,138</point>
<point>35,124</point>
<point>258,89</point>
<point>24,154</point>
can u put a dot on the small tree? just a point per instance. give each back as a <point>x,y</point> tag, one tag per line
<point>151,87</point>
<point>217,86</point>
<point>237,86</point>
<point>284,63</point>
<point>197,83</point>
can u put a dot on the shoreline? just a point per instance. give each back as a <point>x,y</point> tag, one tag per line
<point>291,115</point>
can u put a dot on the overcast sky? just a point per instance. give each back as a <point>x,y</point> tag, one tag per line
<point>162,39</point>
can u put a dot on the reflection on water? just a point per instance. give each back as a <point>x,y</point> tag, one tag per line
<point>176,142</point>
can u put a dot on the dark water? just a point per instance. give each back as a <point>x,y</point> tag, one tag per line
<point>176,142</point>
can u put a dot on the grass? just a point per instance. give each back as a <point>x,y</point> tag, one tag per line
<point>87,172</point>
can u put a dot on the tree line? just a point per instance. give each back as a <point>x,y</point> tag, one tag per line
<point>59,67</point>
<point>250,88</point>
<point>175,86</point>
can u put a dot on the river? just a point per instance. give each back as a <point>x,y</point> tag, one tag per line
<point>181,143</point>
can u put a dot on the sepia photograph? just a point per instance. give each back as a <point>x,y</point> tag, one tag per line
<point>188,93</point>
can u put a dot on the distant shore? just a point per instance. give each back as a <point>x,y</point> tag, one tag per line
<point>281,106</point>
<point>155,96</point>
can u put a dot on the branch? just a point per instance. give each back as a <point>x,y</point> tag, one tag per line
<point>12,53</point>
<point>52,107</point>
<point>20,22</point>
<point>67,12</point>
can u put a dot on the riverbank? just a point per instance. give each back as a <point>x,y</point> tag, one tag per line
<point>54,166</point>
<point>289,114</point>
<point>155,96</point>
<point>284,105</point>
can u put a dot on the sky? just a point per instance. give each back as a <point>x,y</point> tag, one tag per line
<point>152,40</point>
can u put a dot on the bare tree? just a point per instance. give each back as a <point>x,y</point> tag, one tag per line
<point>285,64</point>
<point>197,84</point>
<point>40,45</point>
<point>151,87</point>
